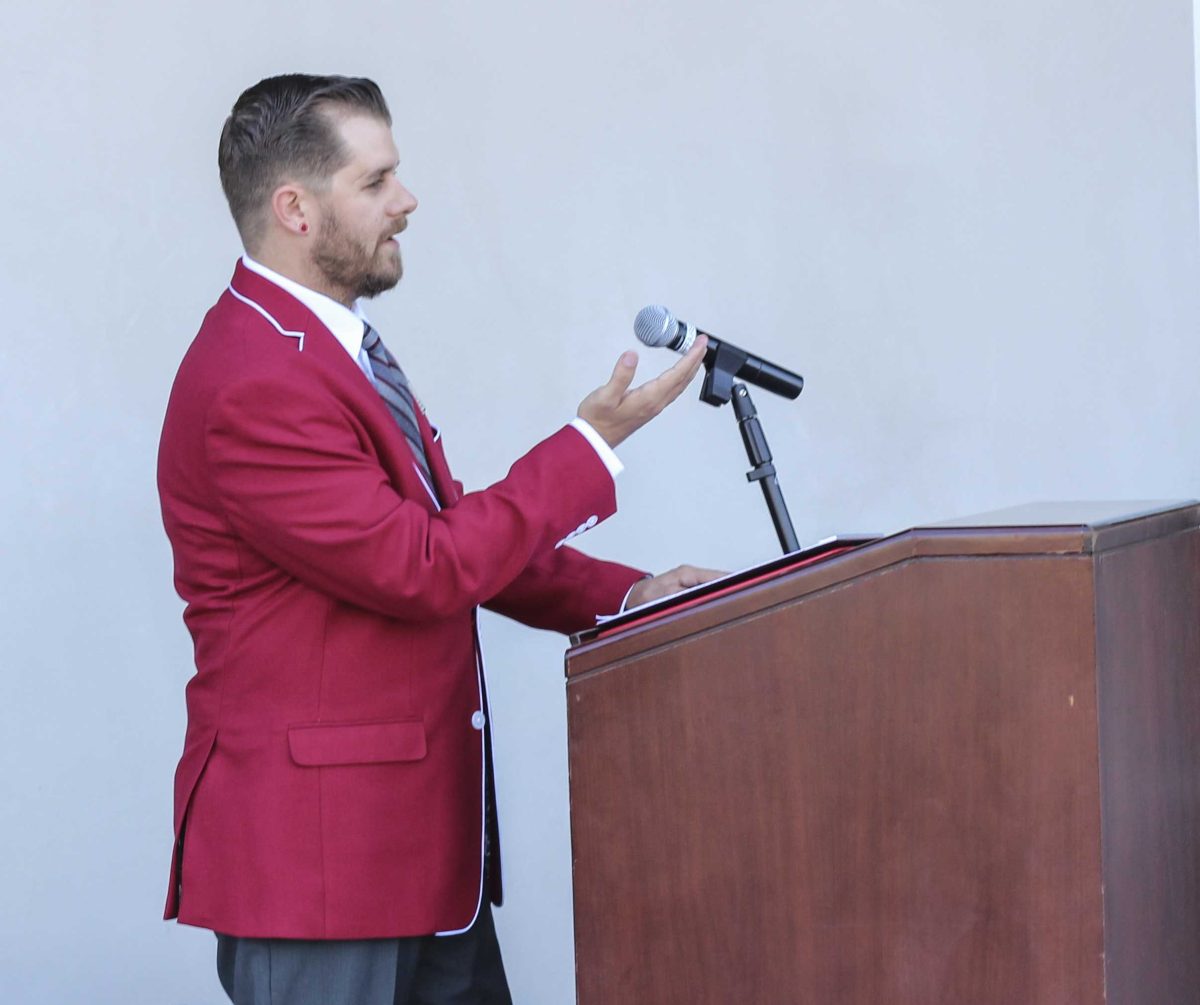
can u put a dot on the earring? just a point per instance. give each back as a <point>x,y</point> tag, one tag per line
<point>304,228</point>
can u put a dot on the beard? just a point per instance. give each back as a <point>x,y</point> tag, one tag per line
<point>350,265</point>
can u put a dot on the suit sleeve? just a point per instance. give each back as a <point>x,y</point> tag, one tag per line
<point>563,590</point>
<point>296,481</point>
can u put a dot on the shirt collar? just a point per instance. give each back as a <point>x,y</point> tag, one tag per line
<point>345,323</point>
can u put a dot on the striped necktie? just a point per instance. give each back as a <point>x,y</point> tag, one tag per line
<point>394,390</point>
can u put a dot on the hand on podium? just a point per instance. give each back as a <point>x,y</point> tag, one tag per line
<point>664,584</point>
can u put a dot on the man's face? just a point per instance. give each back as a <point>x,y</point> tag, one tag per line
<point>365,205</point>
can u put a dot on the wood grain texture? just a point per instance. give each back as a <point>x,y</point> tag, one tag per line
<point>880,782</point>
<point>1149,688</point>
<point>879,794</point>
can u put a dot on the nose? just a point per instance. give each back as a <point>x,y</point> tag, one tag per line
<point>404,202</point>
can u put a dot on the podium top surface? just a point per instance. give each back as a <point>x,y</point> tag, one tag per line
<point>1058,529</point>
<point>1092,514</point>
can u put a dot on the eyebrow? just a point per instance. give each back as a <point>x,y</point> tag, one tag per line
<point>380,172</point>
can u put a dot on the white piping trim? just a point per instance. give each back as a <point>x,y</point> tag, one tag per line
<point>487,720</point>
<point>263,311</point>
<point>428,488</point>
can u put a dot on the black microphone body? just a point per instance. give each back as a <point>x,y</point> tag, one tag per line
<point>657,326</point>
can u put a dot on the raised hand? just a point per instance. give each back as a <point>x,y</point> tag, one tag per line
<point>615,411</point>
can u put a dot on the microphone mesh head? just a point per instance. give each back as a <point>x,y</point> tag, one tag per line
<point>655,325</point>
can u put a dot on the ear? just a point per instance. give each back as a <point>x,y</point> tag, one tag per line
<point>293,209</point>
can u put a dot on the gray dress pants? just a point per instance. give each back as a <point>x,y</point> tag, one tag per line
<point>425,970</point>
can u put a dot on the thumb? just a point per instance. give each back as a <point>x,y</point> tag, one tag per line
<point>622,375</point>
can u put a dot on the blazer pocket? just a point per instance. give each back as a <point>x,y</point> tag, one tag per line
<point>327,743</point>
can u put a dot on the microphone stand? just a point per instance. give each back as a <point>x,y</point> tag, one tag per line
<point>719,388</point>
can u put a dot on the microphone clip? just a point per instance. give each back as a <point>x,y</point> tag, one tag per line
<point>720,367</point>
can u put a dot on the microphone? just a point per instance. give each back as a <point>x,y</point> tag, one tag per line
<point>657,326</point>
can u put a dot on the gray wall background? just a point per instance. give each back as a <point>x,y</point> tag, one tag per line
<point>974,228</point>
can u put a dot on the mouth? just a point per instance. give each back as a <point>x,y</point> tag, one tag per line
<point>391,241</point>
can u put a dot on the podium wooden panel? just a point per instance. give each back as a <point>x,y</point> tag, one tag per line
<point>959,765</point>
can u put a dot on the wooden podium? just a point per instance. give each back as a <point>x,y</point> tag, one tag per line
<point>960,765</point>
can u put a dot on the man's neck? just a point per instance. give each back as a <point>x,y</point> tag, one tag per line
<point>302,271</point>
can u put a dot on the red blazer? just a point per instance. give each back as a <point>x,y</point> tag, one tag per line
<point>331,784</point>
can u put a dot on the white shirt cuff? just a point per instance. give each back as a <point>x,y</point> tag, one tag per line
<point>611,461</point>
<point>625,602</point>
<point>601,618</point>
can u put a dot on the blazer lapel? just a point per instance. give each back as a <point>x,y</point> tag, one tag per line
<point>293,319</point>
<point>443,480</point>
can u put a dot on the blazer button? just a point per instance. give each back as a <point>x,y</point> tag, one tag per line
<point>478,719</point>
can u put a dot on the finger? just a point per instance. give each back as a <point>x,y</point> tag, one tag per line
<point>685,369</point>
<point>695,355</point>
<point>689,575</point>
<point>622,375</point>
<point>659,392</point>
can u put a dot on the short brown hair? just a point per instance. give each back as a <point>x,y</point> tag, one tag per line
<point>281,126</point>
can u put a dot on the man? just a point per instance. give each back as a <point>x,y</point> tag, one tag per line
<point>334,813</point>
